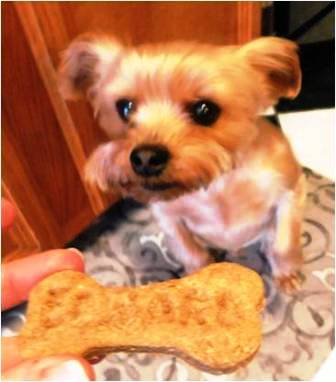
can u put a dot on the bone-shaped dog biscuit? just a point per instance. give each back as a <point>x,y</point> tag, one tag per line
<point>211,318</point>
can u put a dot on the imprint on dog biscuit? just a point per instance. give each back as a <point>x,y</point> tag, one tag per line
<point>217,332</point>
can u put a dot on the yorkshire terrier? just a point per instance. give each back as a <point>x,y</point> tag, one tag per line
<point>186,137</point>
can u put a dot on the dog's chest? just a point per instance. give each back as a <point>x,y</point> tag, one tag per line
<point>231,213</point>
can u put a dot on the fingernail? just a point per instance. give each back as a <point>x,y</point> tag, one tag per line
<point>75,250</point>
<point>69,371</point>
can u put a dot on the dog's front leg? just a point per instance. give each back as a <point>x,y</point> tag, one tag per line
<point>181,241</point>
<point>284,250</point>
<point>192,254</point>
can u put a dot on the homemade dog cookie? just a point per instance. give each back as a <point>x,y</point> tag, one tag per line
<point>211,318</point>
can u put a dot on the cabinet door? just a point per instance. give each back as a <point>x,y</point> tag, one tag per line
<point>223,22</point>
<point>42,155</point>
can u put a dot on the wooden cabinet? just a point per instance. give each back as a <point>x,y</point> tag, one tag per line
<point>46,141</point>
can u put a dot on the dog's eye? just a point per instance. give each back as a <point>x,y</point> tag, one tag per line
<point>204,112</point>
<point>125,107</point>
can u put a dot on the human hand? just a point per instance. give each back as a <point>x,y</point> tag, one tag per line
<point>18,278</point>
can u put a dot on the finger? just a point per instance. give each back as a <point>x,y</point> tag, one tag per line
<point>7,213</point>
<point>57,368</point>
<point>19,276</point>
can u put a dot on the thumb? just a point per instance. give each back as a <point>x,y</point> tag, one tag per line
<point>58,368</point>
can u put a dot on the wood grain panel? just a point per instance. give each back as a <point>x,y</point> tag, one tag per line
<point>248,21</point>
<point>50,19</point>
<point>122,19</point>
<point>34,130</point>
<point>226,22</point>
<point>80,130</point>
<point>47,71</point>
<point>210,22</point>
<point>25,193</point>
<point>19,240</point>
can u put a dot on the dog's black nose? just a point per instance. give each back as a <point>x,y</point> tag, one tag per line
<point>149,160</point>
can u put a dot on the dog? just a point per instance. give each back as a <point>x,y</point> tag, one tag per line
<point>186,137</point>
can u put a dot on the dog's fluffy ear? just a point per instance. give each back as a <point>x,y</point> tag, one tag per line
<point>85,63</point>
<point>276,59</point>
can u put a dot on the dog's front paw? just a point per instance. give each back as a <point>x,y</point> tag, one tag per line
<point>290,283</point>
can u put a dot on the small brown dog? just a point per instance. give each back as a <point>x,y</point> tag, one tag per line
<point>186,137</point>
